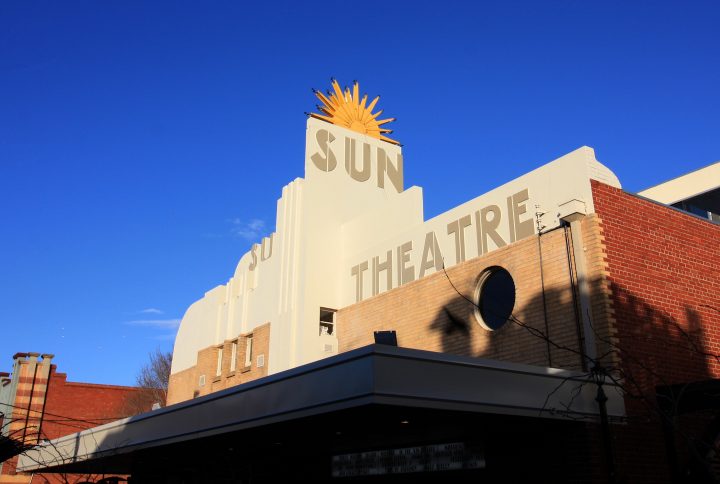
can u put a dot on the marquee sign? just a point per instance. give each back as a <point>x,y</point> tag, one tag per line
<point>452,456</point>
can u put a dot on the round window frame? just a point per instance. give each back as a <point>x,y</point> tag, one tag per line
<point>482,280</point>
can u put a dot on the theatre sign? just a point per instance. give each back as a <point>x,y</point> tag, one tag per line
<point>350,230</point>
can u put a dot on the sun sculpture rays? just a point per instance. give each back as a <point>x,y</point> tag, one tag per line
<point>346,109</point>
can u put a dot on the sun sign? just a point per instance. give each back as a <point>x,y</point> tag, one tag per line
<point>346,109</point>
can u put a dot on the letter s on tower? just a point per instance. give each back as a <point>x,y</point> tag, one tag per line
<point>324,159</point>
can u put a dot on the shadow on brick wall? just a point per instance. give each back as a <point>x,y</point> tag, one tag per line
<point>656,355</point>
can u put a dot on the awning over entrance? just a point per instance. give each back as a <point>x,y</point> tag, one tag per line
<point>375,376</point>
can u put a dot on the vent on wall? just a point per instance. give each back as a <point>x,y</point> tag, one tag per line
<point>328,348</point>
<point>202,380</point>
<point>260,361</point>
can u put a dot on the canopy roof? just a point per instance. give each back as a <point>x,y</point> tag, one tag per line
<point>374,376</point>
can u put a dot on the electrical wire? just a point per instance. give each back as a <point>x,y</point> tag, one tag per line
<point>60,417</point>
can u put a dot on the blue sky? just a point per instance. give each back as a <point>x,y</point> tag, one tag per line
<point>143,145</point>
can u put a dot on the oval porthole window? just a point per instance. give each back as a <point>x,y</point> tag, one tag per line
<point>495,298</point>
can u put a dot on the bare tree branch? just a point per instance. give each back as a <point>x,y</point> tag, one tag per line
<point>153,380</point>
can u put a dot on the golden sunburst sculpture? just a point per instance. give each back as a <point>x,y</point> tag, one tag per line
<point>346,109</point>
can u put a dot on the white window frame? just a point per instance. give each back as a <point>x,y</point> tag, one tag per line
<point>248,350</point>
<point>218,370</point>
<point>233,356</point>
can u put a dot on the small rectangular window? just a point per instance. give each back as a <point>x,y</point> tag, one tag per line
<point>327,321</point>
<point>218,371</point>
<point>233,356</point>
<point>248,350</point>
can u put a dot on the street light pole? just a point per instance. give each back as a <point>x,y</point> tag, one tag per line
<point>599,377</point>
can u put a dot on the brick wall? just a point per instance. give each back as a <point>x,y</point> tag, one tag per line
<point>32,378</point>
<point>429,314</point>
<point>90,403</point>
<point>185,384</point>
<point>60,408</point>
<point>31,375</point>
<point>664,274</point>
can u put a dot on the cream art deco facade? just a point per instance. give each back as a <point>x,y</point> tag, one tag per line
<point>348,231</point>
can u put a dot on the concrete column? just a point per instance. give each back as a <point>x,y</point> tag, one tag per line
<point>575,220</point>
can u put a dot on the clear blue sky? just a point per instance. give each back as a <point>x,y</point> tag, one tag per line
<point>143,145</point>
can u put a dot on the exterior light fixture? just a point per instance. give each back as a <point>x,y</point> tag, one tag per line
<point>386,338</point>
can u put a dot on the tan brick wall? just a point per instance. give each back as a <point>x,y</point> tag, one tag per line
<point>429,314</point>
<point>182,384</point>
<point>600,293</point>
<point>185,384</point>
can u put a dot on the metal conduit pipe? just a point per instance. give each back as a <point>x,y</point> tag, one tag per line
<point>583,286</point>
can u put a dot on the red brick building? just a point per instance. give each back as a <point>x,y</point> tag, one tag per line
<point>664,274</point>
<point>39,404</point>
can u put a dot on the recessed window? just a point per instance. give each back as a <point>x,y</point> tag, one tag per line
<point>248,350</point>
<point>495,298</point>
<point>218,370</point>
<point>233,356</point>
<point>327,321</point>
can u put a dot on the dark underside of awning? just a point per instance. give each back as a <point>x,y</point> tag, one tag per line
<point>513,418</point>
<point>512,447</point>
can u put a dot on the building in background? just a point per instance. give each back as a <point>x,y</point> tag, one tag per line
<point>556,328</point>
<point>697,192</point>
<point>38,404</point>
